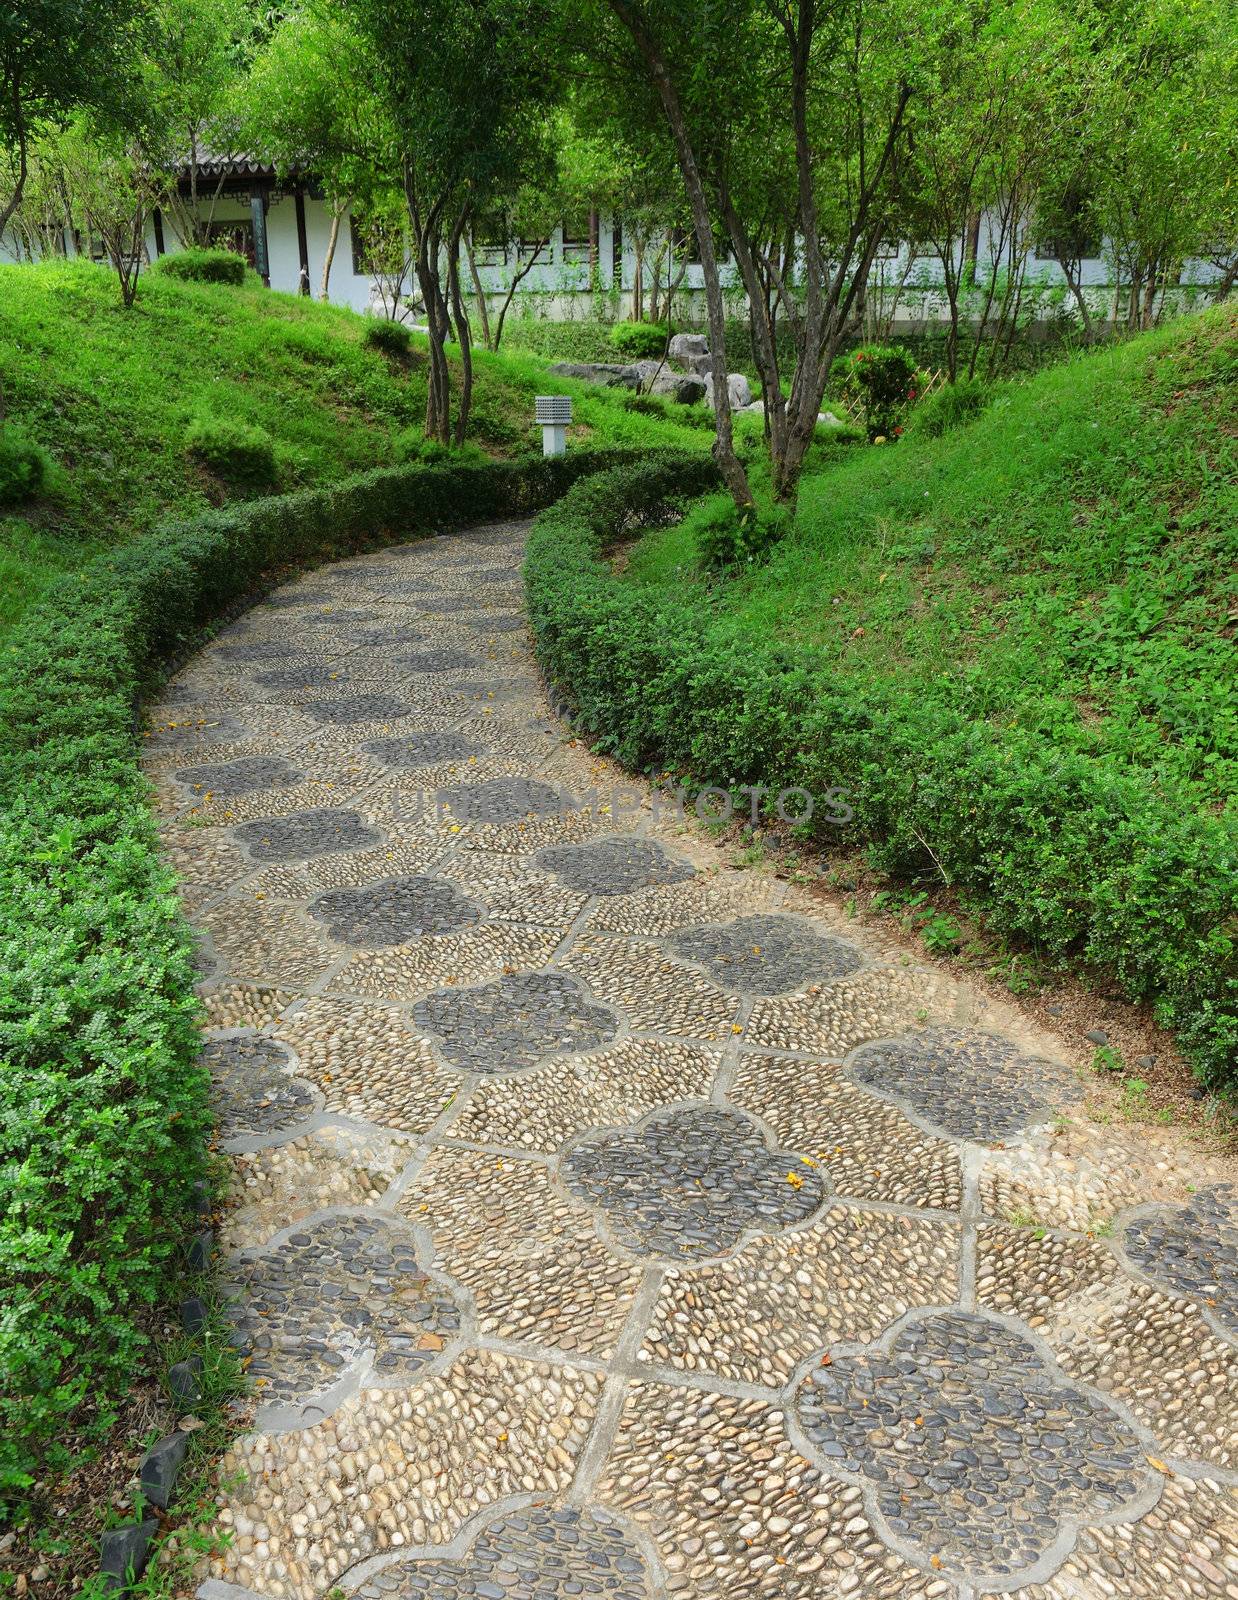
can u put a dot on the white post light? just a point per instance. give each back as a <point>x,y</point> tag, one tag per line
<point>554,412</point>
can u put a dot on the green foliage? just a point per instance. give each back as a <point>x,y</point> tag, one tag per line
<point>640,340</point>
<point>884,379</point>
<point>392,338</point>
<point>1061,840</point>
<point>730,538</point>
<point>108,395</point>
<point>23,467</point>
<point>952,406</point>
<point>413,448</point>
<point>103,1106</point>
<point>202,266</point>
<point>238,452</point>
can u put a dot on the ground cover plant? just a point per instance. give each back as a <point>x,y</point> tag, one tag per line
<point>108,396</point>
<point>1012,644</point>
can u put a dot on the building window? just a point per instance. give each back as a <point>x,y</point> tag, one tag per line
<point>89,243</point>
<point>490,239</point>
<point>1071,249</point>
<point>362,264</point>
<point>235,236</point>
<point>577,241</point>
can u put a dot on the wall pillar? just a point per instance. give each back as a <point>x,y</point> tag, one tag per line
<point>262,258</point>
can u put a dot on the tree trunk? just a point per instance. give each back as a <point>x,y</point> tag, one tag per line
<point>479,293</point>
<point>464,333</point>
<point>15,198</point>
<point>517,280</point>
<point>729,464</point>
<point>1072,271</point>
<point>333,238</point>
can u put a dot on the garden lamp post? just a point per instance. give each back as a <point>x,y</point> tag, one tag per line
<point>554,412</point>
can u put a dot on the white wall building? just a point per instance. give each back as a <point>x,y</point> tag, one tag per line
<point>283,226</point>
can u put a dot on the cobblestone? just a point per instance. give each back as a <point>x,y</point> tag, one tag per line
<point>605,1221</point>
<point>519,1021</point>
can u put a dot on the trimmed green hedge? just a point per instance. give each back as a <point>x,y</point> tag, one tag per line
<point>205,266</point>
<point>1055,847</point>
<point>103,1107</point>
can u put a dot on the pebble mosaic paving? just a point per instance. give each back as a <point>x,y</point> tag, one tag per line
<point>608,1222</point>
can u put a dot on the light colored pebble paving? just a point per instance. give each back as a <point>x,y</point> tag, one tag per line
<point>605,1220</point>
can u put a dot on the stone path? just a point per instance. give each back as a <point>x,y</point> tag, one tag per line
<point>611,1222</point>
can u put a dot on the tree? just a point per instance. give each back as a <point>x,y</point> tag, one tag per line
<point>57,56</point>
<point>112,189</point>
<point>789,122</point>
<point>465,85</point>
<point>192,68</point>
<point>309,105</point>
<point>979,136</point>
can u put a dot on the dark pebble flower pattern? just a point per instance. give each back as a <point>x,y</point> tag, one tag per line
<point>690,1183</point>
<point>970,1085</point>
<point>1193,1250</point>
<point>979,1456</point>
<point>334,1292</point>
<point>543,1553</point>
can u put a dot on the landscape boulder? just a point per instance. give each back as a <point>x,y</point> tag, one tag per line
<point>657,377</point>
<point>609,373</point>
<point>679,386</point>
<point>685,345</point>
<point>736,386</point>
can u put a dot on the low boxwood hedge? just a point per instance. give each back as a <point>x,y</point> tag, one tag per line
<point>1056,847</point>
<point>103,1107</point>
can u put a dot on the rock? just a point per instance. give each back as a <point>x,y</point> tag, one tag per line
<point>681,387</point>
<point>656,377</point>
<point>1146,1062</point>
<point>160,1466</point>
<point>736,387</point>
<point>193,1315</point>
<point>605,372</point>
<point>685,345</point>
<point>829,420</point>
<point>1053,1011</point>
<point>702,366</point>
<point>198,1251</point>
<point>124,1553</point>
<point>1097,1036</point>
<point>183,1379</point>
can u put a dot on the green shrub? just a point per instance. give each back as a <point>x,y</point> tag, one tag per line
<point>392,338</point>
<point>206,266</point>
<point>1057,846</point>
<point>23,466</point>
<point>103,1106</point>
<point>729,538</point>
<point>238,452</point>
<point>411,447</point>
<point>952,406</point>
<point>883,377</point>
<point>641,341</point>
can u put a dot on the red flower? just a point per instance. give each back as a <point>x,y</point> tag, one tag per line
<point>897,431</point>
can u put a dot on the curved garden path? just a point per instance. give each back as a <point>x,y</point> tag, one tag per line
<point>609,1221</point>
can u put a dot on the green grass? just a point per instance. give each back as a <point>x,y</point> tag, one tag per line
<point>110,394</point>
<point>1063,565</point>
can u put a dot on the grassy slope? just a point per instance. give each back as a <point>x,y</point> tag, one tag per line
<point>1066,563</point>
<point>109,392</point>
